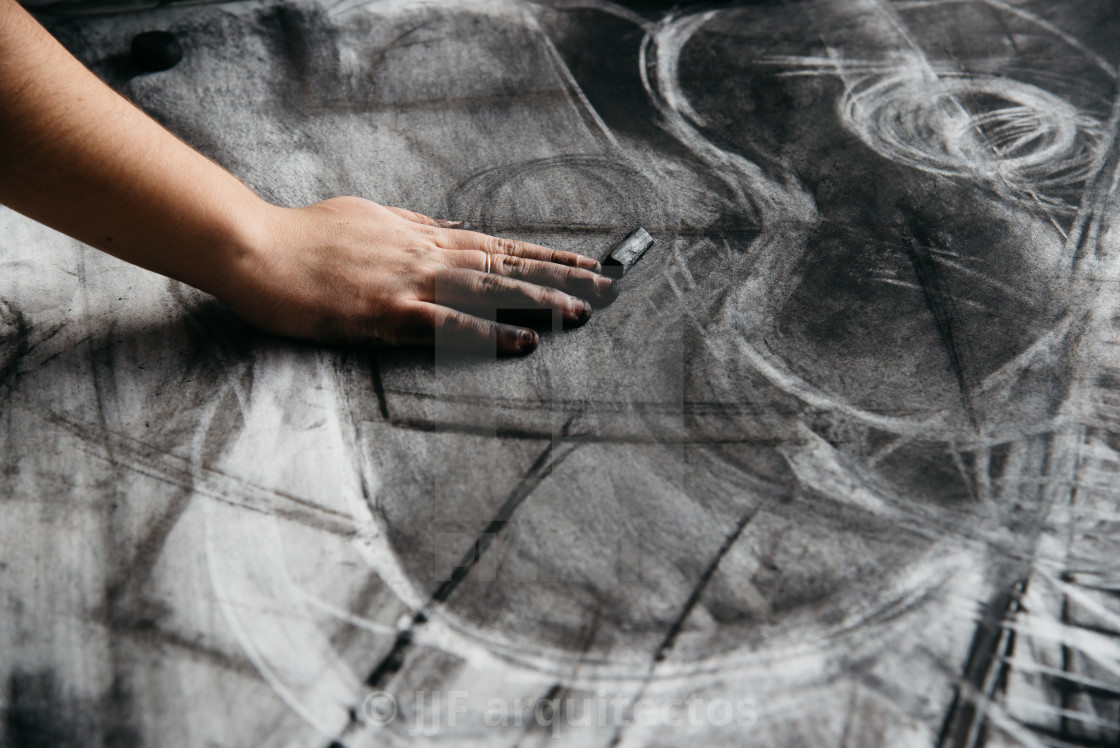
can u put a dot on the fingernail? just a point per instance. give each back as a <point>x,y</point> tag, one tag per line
<point>578,311</point>
<point>527,340</point>
<point>604,284</point>
<point>449,224</point>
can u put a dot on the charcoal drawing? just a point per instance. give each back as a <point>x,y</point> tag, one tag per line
<point>845,447</point>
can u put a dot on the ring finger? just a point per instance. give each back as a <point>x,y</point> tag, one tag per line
<point>598,289</point>
<point>458,239</point>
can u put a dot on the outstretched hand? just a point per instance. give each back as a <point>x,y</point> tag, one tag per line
<point>349,270</point>
<point>85,161</point>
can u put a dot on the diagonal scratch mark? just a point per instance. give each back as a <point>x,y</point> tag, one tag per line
<point>573,85</point>
<point>973,704</point>
<point>1006,376</point>
<point>674,630</point>
<point>147,460</point>
<point>540,470</point>
<point>984,667</point>
<point>1076,681</point>
<point>942,306</point>
<point>379,387</point>
<point>958,462</point>
<point>559,691</point>
<point>536,474</point>
<point>675,627</point>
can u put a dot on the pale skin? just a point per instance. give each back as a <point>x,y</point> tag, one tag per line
<point>80,158</point>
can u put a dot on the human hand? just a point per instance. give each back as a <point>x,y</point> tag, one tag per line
<point>349,270</point>
<point>82,159</point>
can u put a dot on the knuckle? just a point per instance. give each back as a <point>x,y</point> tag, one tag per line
<point>454,324</point>
<point>448,323</point>
<point>417,247</point>
<point>549,298</point>
<point>444,258</point>
<point>532,294</point>
<point>511,266</point>
<point>447,239</point>
<point>423,269</point>
<point>429,232</point>
<point>504,246</point>
<point>490,283</point>
<point>431,267</point>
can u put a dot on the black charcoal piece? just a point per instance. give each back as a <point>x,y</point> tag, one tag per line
<point>156,50</point>
<point>627,252</point>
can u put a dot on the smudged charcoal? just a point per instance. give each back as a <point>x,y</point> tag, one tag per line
<point>153,51</point>
<point>627,252</point>
<point>39,713</point>
<point>13,340</point>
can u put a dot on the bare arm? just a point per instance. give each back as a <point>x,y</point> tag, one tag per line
<point>82,159</point>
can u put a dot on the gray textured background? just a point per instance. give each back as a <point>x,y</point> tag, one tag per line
<point>843,454</point>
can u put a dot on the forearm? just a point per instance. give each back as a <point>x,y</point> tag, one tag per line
<point>77,156</point>
<point>82,159</point>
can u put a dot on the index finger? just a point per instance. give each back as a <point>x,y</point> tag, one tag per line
<point>461,239</point>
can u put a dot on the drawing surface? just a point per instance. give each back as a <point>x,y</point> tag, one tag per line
<point>843,454</point>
